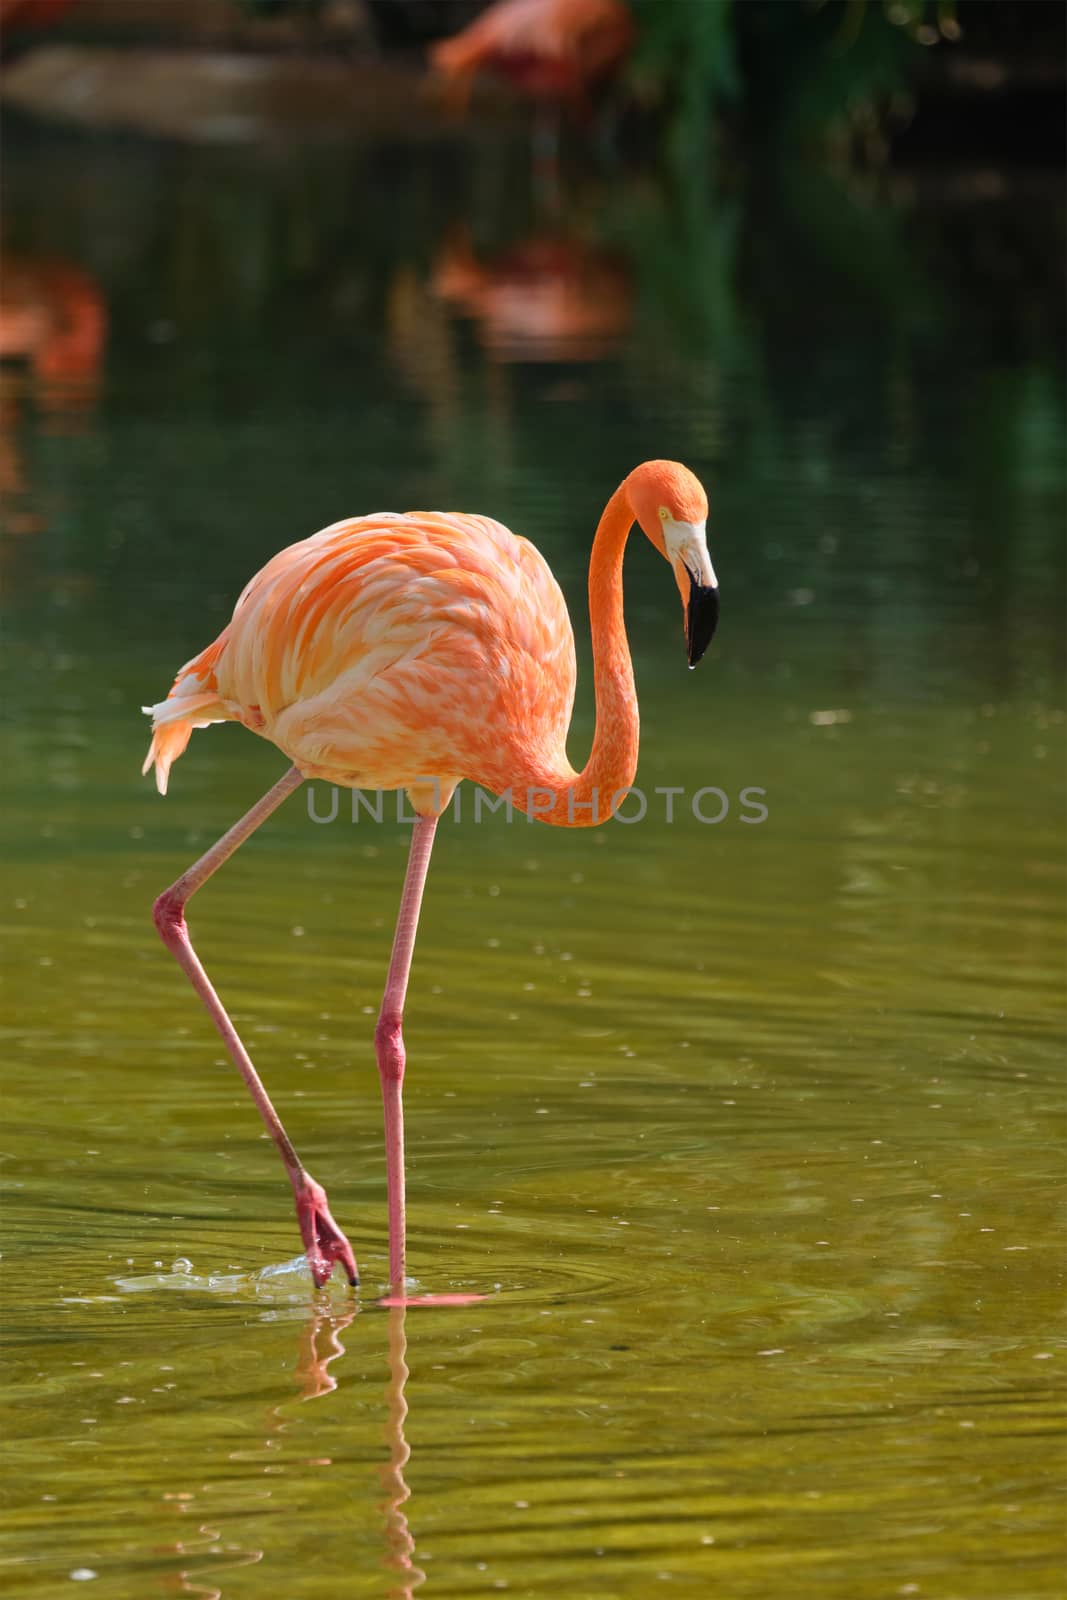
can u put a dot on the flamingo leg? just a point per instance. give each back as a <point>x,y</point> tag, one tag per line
<point>323,1239</point>
<point>389,1041</point>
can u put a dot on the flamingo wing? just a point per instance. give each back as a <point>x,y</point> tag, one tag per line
<point>385,649</point>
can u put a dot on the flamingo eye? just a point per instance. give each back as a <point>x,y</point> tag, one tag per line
<point>663,513</point>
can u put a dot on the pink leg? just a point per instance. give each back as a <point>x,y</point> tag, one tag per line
<point>389,1041</point>
<point>323,1239</point>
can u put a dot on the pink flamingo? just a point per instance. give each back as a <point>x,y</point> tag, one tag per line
<point>411,651</point>
<point>550,49</point>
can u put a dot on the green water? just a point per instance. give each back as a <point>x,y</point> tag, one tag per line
<point>750,1133</point>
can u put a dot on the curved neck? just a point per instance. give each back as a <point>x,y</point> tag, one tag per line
<point>583,799</point>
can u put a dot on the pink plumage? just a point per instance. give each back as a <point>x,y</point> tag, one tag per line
<point>550,49</point>
<point>388,649</point>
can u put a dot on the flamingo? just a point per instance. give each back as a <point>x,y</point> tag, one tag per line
<point>410,651</point>
<point>550,49</point>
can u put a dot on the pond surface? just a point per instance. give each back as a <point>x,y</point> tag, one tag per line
<point>750,1131</point>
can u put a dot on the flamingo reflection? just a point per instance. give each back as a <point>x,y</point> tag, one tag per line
<point>202,1546</point>
<point>320,1346</point>
<point>53,316</point>
<point>53,332</point>
<point>399,1538</point>
<point>551,298</point>
<point>207,1558</point>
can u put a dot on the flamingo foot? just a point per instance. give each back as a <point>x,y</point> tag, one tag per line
<point>323,1240</point>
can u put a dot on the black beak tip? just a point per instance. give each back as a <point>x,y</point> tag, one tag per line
<point>701,620</point>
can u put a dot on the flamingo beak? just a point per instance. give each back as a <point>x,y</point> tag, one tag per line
<point>701,617</point>
<point>685,544</point>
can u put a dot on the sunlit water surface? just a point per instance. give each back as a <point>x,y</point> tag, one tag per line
<point>747,1131</point>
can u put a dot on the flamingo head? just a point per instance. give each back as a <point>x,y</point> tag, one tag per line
<point>671,509</point>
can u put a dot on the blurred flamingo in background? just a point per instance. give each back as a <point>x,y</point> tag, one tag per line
<point>551,50</point>
<point>411,651</point>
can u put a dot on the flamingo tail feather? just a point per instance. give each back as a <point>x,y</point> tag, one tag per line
<point>173,720</point>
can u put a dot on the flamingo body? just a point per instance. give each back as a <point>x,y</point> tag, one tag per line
<point>550,49</point>
<point>390,649</point>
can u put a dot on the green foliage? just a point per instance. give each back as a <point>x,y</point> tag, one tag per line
<point>800,70</point>
<point>684,47</point>
<point>685,63</point>
<point>815,70</point>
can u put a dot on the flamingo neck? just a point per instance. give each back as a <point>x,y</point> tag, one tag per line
<point>584,799</point>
